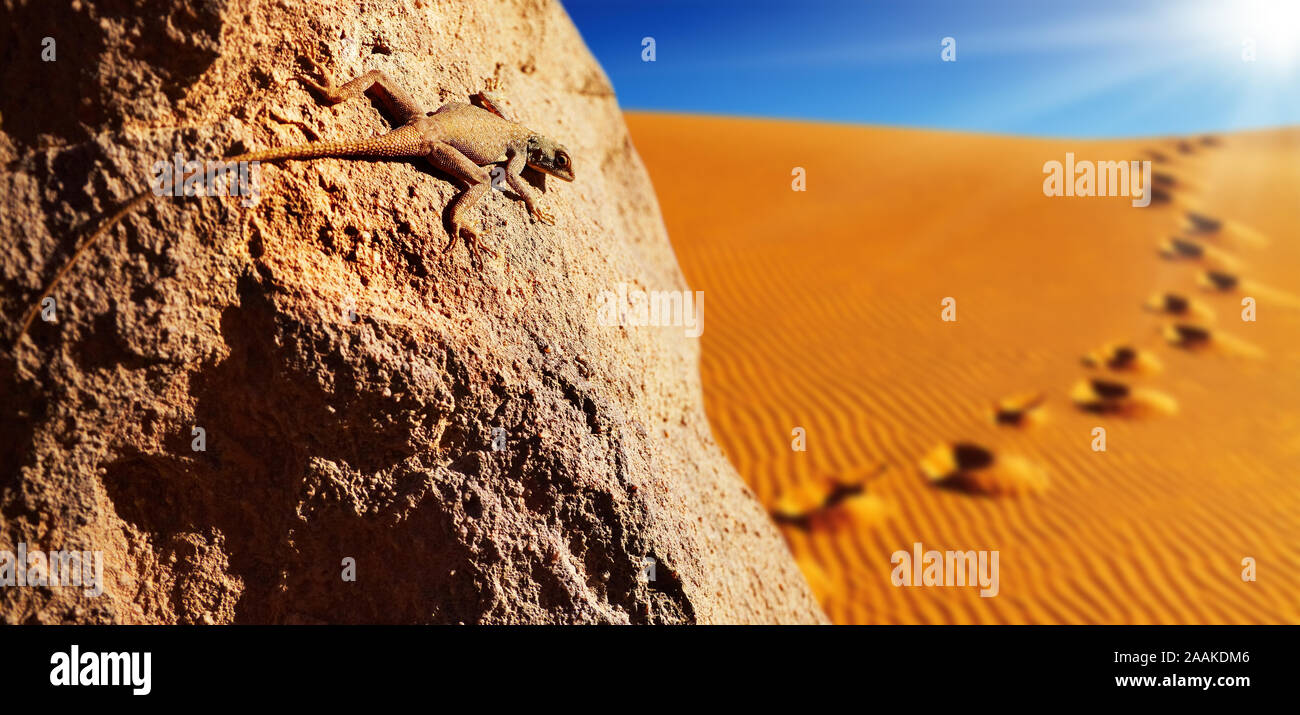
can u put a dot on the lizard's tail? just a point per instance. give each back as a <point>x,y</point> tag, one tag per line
<point>400,143</point>
<point>85,244</point>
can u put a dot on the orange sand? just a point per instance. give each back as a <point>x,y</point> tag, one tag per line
<point>823,312</point>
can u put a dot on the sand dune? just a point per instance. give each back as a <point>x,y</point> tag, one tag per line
<point>824,313</point>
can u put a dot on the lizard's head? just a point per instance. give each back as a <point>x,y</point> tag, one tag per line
<point>545,155</point>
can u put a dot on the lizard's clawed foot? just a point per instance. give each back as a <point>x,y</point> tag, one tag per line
<point>480,249</point>
<point>328,90</point>
<point>456,228</point>
<point>472,237</point>
<point>542,215</point>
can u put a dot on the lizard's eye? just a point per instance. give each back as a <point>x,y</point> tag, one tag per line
<point>562,161</point>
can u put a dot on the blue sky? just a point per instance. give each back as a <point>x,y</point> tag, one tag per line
<point>1073,68</point>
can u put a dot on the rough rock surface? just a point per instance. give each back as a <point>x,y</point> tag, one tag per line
<point>347,374</point>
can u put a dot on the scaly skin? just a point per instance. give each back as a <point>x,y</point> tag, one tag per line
<point>458,139</point>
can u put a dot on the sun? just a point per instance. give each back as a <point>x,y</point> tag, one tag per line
<point>1265,31</point>
<point>1269,29</point>
<point>1274,26</point>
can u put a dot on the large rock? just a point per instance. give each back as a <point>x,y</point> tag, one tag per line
<point>347,374</point>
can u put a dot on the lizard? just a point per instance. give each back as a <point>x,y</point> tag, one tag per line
<point>458,138</point>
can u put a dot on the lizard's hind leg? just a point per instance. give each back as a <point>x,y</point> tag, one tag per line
<point>399,103</point>
<point>477,180</point>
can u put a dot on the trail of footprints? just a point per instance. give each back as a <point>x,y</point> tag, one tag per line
<point>1110,387</point>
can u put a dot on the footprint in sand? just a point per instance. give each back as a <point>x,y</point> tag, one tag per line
<point>1162,187</point>
<point>1178,305</point>
<point>973,469</point>
<point>1178,248</point>
<point>1199,338</point>
<point>846,500</point>
<point>1022,410</point>
<point>1121,357</point>
<point>1111,397</point>
<point>1160,195</point>
<point>1200,224</point>
<point>1220,281</point>
<point>1169,181</point>
<point>1158,156</point>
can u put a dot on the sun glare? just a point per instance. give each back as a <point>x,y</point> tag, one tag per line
<point>1273,26</point>
<point>1263,31</point>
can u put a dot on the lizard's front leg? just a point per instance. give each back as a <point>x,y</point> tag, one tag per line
<point>514,177</point>
<point>399,103</point>
<point>477,180</point>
